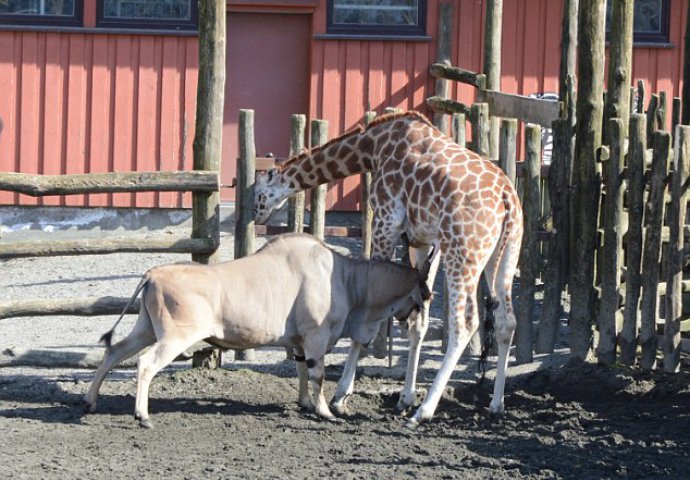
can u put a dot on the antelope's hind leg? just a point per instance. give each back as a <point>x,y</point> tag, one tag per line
<point>141,336</point>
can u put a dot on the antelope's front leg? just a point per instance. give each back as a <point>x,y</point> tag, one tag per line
<point>346,384</point>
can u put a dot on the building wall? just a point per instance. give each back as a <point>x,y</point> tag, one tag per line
<point>89,102</point>
<point>79,103</point>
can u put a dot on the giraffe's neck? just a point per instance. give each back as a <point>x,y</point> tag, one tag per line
<point>347,155</point>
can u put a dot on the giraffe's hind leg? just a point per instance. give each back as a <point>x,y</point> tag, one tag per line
<point>500,272</point>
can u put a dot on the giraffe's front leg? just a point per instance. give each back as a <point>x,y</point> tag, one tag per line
<point>462,324</point>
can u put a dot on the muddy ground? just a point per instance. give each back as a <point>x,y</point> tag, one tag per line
<point>243,422</point>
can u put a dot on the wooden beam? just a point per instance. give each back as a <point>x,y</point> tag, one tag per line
<point>86,307</point>
<point>91,246</point>
<point>439,70</point>
<point>445,105</point>
<point>529,110</point>
<point>175,181</point>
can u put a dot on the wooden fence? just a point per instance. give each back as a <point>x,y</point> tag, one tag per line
<point>204,183</point>
<point>640,292</point>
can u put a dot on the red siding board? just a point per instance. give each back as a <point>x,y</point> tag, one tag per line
<point>100,118</point>
<point>146,112</point>
<point>54,105</point>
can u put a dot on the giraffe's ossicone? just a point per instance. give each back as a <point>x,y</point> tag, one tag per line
<point>428,187</point>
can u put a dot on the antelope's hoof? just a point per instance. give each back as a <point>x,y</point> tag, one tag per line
<point>146,423</point>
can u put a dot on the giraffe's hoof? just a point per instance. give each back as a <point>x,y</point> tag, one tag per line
<point>412,424</point>
<point>340,409</point>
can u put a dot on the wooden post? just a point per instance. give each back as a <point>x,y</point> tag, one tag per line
<point>620,66</point>
<point>640,96</point>
<point>586,174</point>
<point>556,274</point>
<point>459,129</point>
<point>675,114</point>
<point>367,211</point>
<point>507,156</point>
<point>674,258</point>
<point>530,246</point>
<point>319,136</point>
<point>652,118</point>
<point>685,115</point>
<point>568,46</point>
<point>246,175</point>
<point>612,254</point>
<point>479,118</point>
<point>492,63</point>
<point>296,202</point>
<point>208,137</point>
<point>637,148</point>
<point>651,255</point>
<point>444,51</point>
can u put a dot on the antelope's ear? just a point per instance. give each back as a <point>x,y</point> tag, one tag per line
<point>426,267</point>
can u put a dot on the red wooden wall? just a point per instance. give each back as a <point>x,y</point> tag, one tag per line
<point>90,102</point>
<point>78,103</point>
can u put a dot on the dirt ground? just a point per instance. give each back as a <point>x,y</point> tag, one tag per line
<point>242,421</point>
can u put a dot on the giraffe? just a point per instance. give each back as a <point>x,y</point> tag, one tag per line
<point>439,194</point>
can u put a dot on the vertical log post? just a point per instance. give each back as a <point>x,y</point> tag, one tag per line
<point>319,136</point>
<point>640,96</point>
<point>675,114</point>
<point>246,176</point>
<point>610,314</point>
<point>674,260</point>
<point>530,246</point>
<point>444,51</point>
<point>367,211</point>
<point>685,114</point>
<point>652,118</point>
<point>568,46</point>
<point>586,174</point>
<point>296,202</point>
<point>556,274</point>
<point>492,63</point>
<point>459,129</point>
<point>620,66</point>
<point>507,154</point>
<point>651,255</point>
<point>479,118</point>
<point>208,137</point>
<point>637,148</point>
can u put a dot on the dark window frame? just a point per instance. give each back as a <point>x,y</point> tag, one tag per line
<point>148,23</point>
<point>76,20</point>
<point>378,30</point>
<point>659,38</point>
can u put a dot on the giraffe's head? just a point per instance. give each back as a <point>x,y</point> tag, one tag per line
<point>270,193</point>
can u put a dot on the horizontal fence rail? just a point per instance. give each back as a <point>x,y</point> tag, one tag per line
<point>115,182</point>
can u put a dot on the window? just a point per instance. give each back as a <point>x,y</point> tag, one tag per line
<point>377,17</point>
<point>163,14</point>
<point>651,20</point>
<point>41,12</point>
